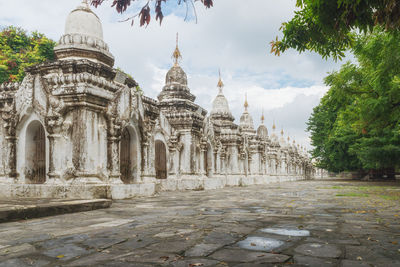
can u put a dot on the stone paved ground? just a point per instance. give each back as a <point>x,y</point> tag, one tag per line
<point>309,223</point>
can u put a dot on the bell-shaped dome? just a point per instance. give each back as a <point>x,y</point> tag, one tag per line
<point>176,75</point>
<point>282,141</point>
<point>83,37</point>
<point>176,86</point>
<point>274,137</point>
<point>220,106</point>
<point>176,82</point>
<point>262,131</point>
<point>84,21</point>
<point>246,121</point>
<point>294,147</point>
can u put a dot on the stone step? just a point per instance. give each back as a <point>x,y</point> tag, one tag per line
<point>13,210</point>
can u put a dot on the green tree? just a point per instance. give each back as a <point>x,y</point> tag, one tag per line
<point>327,26</point>
<point>19,50</point>
<point>331,140</point>
<point>357,123</point>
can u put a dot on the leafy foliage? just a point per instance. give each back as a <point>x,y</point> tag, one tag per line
<point>19,50</point>
<point>145,13</point>
<point>357,123</point>
<point>327,26</point>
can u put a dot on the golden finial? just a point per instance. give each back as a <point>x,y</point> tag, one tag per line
<point>246,104</point>
<point>273,126</point>
<point>177,54</point>
<point>262,117</point>
<point>288,138</point>
<point>220,83</point>
<point>282,132</point>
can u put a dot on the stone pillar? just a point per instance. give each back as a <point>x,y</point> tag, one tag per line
<point>11,169</point>
<point>113,149</point>
<point>146,168</point>
<point>88,142</point>
<point>187,158</point>
<point>173,161</point>
<point>223,164</point>
<point>55,164</point>
<point>217,167</point>
<point>203,154</point>
<point>234,160</point>
<point>254,163</point>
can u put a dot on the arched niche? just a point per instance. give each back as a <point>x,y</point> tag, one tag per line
<point>35,153</point>
<point>160,161</point>
<point>129,155</point>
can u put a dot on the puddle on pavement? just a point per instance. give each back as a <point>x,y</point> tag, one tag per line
<point>212,212</point>
<point>323,215</point>
<point>260,243</point>
<point>236,210</point>
<point>288,232</point>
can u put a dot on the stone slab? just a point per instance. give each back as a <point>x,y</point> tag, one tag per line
<point>240,255</point>
<point>314,262</point>
<point>319,250</point>
<point>201,250</point>
<point>12,210</point>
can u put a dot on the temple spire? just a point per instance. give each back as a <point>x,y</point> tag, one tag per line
<point>282,132</point>
<point>177,54</point>
<point>262,117</point>
<point>220,83</point>
<point>273,126</point>
<point>246,104</point>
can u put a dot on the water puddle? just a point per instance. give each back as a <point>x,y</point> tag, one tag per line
<point>288,232</point>
<point>260,243</point>
<point>235,210</point>
<point>260,210</point>
<point>212,212</point>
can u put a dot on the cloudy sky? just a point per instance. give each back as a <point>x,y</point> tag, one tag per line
<point>233,36</point>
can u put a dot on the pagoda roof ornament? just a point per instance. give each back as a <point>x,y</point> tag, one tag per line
<point>282,132</point>
<point>273,126</point>
<point>246,104</point>
<point>177,53</point>
<point>220,84</point>
<point>262,117</point>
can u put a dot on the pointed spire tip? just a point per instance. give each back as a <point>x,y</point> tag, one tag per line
<point>177,53</point>
<point>262,117</point>
<point>220,83</point>
<point>246,104</point>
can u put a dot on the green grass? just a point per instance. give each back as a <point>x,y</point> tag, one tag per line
<point>352,195</point>
<point>390,197</point>
<point>387,193</point>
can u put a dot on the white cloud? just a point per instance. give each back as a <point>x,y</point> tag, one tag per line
<point>233,36</point>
